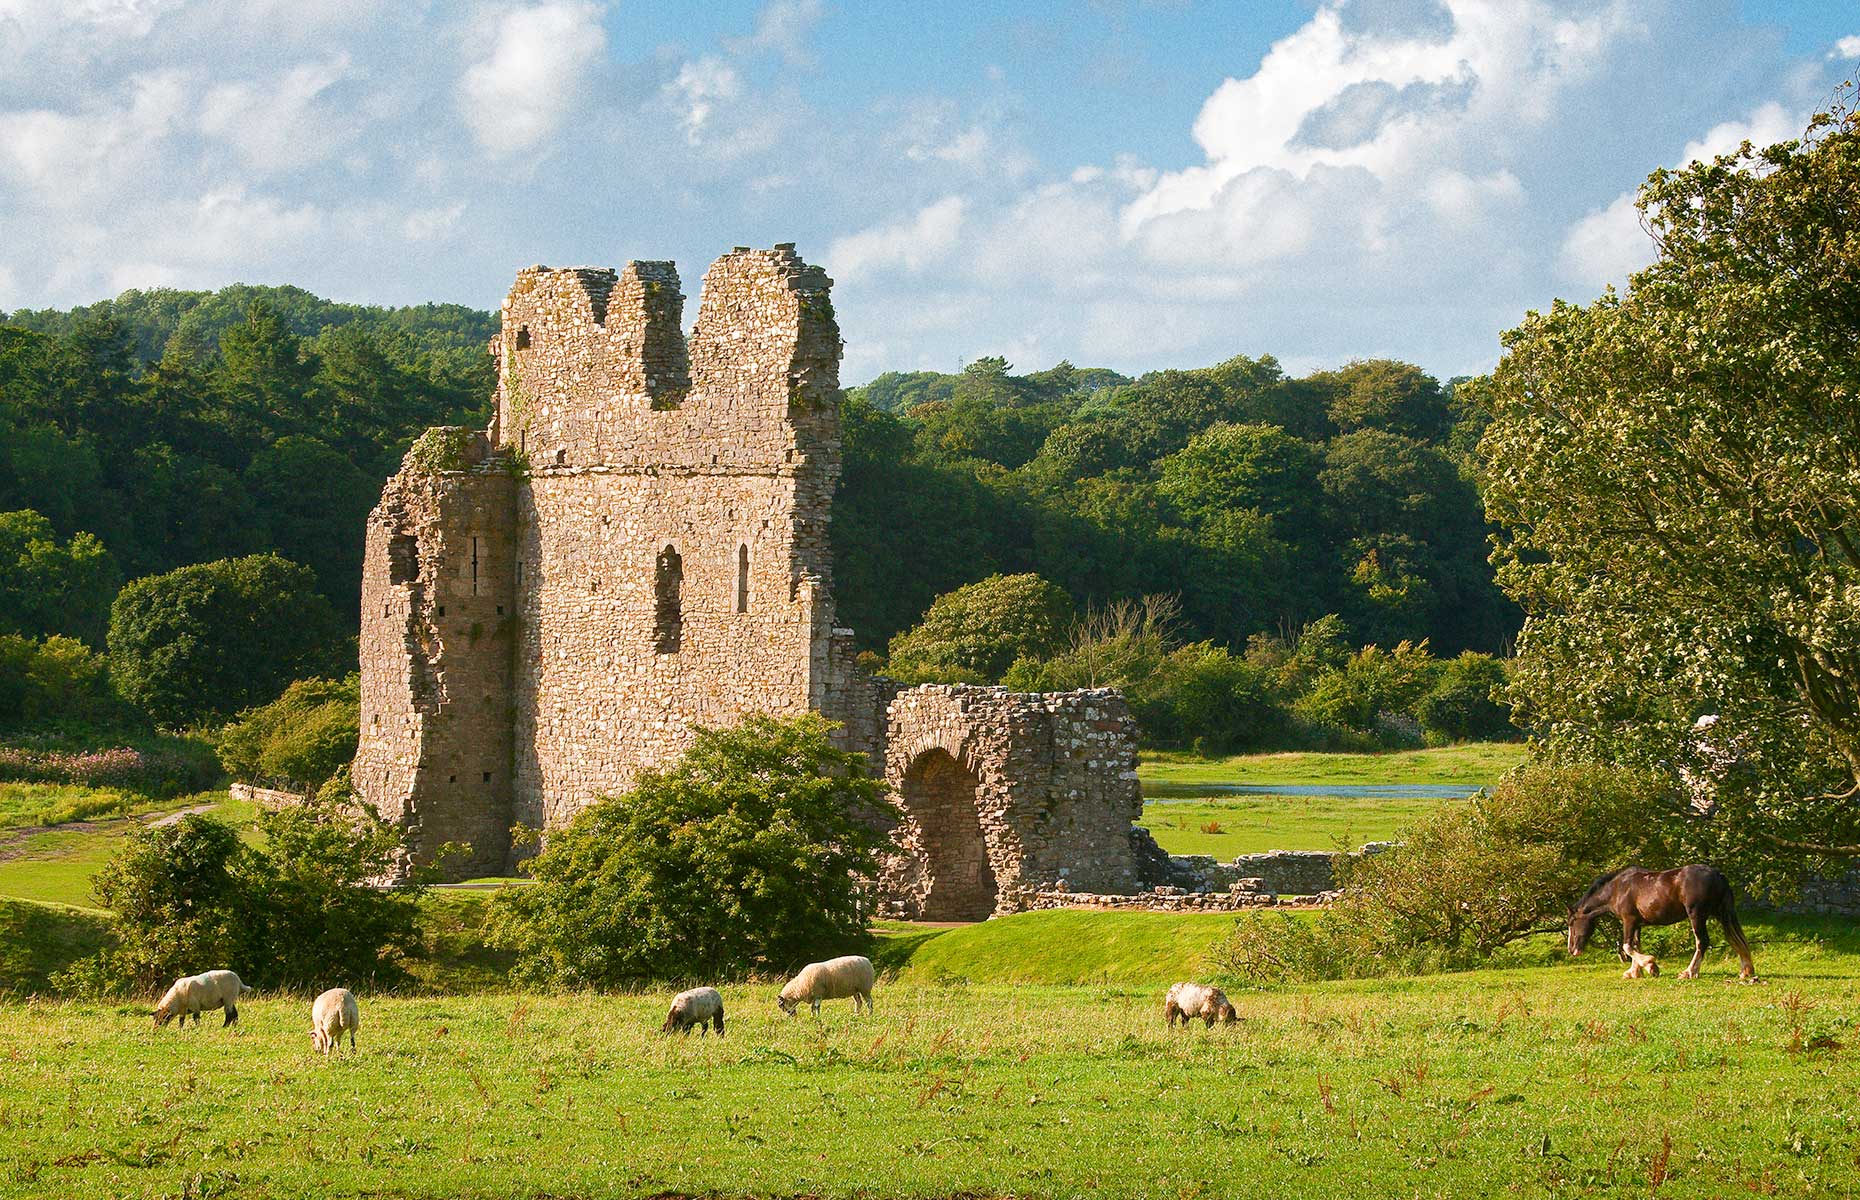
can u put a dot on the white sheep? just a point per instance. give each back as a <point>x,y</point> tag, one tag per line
<point>700,1007</point>
<point>192,995</point>
<point>1191,1000</point>
<point>334,1012</point>
<point>835,979</point>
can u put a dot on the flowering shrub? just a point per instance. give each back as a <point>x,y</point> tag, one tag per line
<point>156,773</point>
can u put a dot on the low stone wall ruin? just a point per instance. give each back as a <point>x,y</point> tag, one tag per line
<point>1246,894</point>
<point>1286,872</point>
<point>266,797</point>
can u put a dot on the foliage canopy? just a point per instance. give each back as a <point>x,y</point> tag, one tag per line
<point>1677,473</point>
<point>743,856</point>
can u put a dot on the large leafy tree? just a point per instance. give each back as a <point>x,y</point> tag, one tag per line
<point>53,587</point>
<point>203,642</point>
<point>743,856</point>
<point>1677,471</point>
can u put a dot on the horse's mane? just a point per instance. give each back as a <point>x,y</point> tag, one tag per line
<point>1602,881</point>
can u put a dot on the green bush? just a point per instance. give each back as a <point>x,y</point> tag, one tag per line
<point>296,911</point>
<point>205,641</point>
<point>1352,699</point>
<point>1204,697</point>
<point>59,682</point>
<point>974,634</point>
<point>741,857</point>
<point>1460,706</point>
<point>1467,881</point>
<point>1118,645</point>
<point>300,739</point>
<point>47,588</point>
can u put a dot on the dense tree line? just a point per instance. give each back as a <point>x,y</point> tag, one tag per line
<point>1262,501</point>
<point>180,427</point>
<point>142,436</point>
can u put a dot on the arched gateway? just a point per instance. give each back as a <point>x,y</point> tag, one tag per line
<point>943,828</point>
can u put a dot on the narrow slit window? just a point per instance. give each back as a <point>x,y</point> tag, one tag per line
<point>742,579</point>
<point>668,608</point>
<point>474,566</point>
<point>523,337</point>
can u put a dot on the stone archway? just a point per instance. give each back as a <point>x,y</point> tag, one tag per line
<point>958,882</point>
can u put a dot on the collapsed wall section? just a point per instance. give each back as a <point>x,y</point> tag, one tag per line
<point>1004,795</point>
<point>438,627</point>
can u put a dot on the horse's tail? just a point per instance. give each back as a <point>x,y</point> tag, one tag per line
<point>1733,929</point>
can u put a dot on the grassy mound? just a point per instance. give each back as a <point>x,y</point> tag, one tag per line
<point>38,940</point>
<point>1066,946</point>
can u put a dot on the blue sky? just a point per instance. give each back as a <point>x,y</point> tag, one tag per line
<point>1117,182</point>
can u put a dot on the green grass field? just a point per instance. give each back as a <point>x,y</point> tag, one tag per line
<point>1254,824</point>
<point>55,803</point>
<point>1471,764</point>
<point>56,865</point>
<point>1559,1081</point>
<point>1193,820</point>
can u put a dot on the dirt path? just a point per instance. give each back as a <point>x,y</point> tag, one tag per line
<point>13,841</point>
<point>174,817</point>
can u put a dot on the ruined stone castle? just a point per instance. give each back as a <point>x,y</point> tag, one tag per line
<point>638,545</point>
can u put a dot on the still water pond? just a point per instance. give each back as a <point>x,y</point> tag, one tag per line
<point>1351,791</point>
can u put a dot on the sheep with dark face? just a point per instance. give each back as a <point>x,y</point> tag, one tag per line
<point>699,1006</point>
<point>1190,1000</point>
<point>192,995</point>
<point>836,979</point>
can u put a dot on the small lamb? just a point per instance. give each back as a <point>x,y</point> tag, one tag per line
<point>700,1007</point>
<point>1640,966</point>
<point>334,1012</point>
<point>192,995</point>
<point>835,979</point>
<point>1191,1000</point>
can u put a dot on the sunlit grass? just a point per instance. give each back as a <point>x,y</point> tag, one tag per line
<point>1227,826</point>
<point>1539,1082</point>
<point>1470,764</point>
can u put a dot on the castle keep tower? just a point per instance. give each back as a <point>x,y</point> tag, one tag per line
<point>638,545</point>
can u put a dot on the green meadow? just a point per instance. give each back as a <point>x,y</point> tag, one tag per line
<point>1187,816</point>
<point>1470,764</point>
<point>1234,825</point>
<point>991,1067</point>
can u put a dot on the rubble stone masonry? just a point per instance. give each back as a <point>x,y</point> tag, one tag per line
<point>638,545</point>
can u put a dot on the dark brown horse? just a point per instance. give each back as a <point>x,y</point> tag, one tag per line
<point>1637,897</point>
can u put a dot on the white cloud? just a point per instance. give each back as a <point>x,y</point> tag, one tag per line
<point>783,27</point>
<point>1768,125</point>
<point>280,124</point>
<point>1847,47</point>
<point>428,224</point>
<point>71,156</point>
<point>1608,244</point>
<point>535,73</point>
<point>910,244</point>
<point>700,86</point>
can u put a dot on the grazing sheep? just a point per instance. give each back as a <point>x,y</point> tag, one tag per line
<point>192,995</point>
<point>1191,1000</point>
<point>835,979</point>
<point>334,1012</point>
<point>1640,966</point>
<point>700,1007</point>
